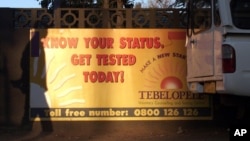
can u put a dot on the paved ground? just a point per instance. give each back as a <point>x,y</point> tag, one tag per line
<point>121,131</point>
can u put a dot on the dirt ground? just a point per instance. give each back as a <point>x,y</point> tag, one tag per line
<point>121,131</point>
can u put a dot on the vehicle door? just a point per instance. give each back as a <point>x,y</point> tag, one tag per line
<point>200,51</point>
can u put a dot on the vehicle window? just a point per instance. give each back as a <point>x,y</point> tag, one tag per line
<point>217,20</point>
<point>202,18</point>
<point>240,10</point>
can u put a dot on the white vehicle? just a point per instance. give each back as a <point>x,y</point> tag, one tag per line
<point>218,46</point>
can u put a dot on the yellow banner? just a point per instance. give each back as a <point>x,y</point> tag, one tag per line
<point>111,74</point>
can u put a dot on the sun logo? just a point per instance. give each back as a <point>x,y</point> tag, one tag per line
<point>171,82</point>
<point>166,77</point>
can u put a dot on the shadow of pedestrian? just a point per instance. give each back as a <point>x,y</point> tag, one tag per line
<point>32,83</point>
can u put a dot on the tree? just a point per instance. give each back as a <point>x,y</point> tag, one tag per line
<point>51,4</point>
<point>159,3</point>
<point>179,4</point>
<point>183,3</point>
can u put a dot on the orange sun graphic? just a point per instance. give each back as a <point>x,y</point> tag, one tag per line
<point>171,82</point>
<point>165,77</point>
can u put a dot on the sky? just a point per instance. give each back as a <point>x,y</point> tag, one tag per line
<point>20,3</point>
<point>26,3</point>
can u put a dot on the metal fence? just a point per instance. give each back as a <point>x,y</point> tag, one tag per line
<point>99,18</point>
